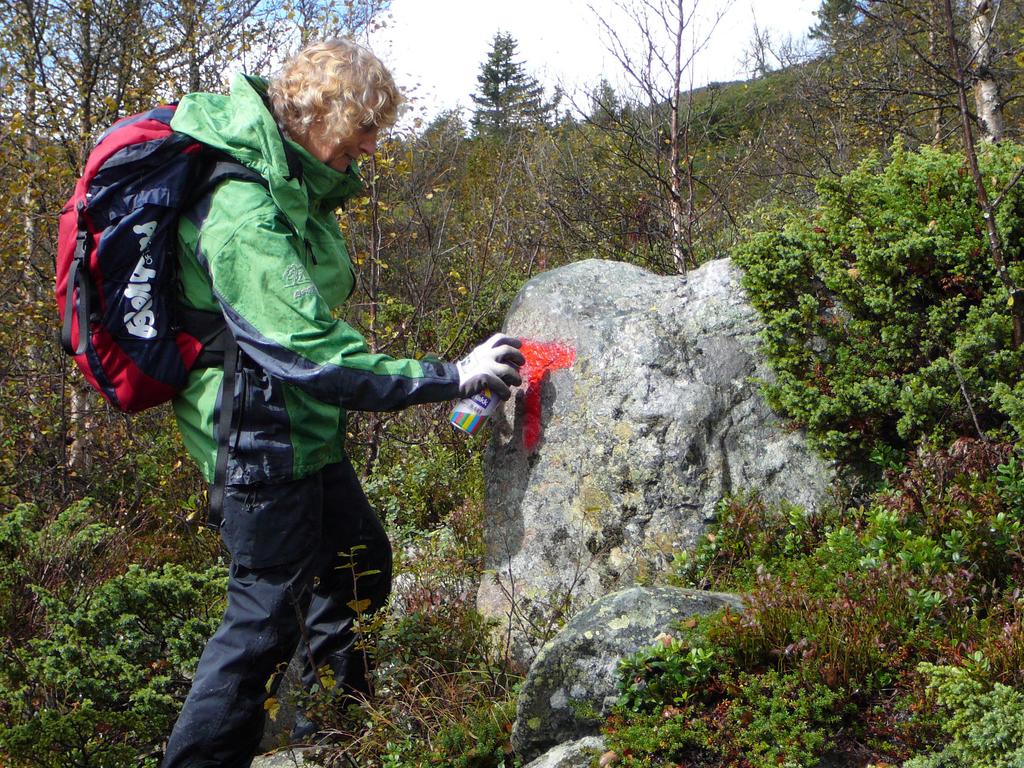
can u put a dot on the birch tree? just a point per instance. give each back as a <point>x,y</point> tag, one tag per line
<point>195,41</point>
<point>71,66</point>
<point>662,129</point>
<point>993,125</point>
<point>323,19</point>
<point>987,100</point>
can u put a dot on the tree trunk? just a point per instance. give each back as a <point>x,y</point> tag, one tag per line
<point>995,245</point>
<point>79,457</point>
<point>30,211</point>
<point>191,25</point>
<point>80,450</point>
<point>679,229</point>
<point>85,84</point>
<point>676,212</point>
<point>372,286</point>
<point>933,53</point>
<point>988,104</point>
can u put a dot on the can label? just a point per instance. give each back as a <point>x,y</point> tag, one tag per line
<point>470,413</point>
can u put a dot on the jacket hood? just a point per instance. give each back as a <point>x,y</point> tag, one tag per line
<point>240,124</point>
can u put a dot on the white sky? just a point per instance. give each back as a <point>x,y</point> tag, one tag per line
<point>435,47</point>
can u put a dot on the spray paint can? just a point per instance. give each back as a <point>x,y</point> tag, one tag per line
<point>469,414</point>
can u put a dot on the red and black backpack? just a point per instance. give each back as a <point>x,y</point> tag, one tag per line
<point>117,256</point>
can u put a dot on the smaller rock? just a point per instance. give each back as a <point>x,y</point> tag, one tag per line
<point>288,758</point>
<point>571,684</point>
<point>611,757</point>
<point>575,754</point>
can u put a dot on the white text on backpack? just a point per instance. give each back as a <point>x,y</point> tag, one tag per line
<point>141,321</point>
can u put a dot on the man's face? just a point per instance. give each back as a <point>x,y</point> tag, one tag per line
<point>339,154</point>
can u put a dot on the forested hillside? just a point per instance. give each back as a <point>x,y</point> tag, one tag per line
<point>870,187</point>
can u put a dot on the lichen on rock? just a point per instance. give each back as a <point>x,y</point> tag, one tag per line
<point>658,417</point>
<point>571,684</point>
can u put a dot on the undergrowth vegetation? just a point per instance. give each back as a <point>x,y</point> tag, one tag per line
<point>95,664</point>
<point>442,692</point>
<point>887,626</point>
<point>870,631</point>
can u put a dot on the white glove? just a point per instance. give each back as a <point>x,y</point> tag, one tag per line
<point>493,364</point>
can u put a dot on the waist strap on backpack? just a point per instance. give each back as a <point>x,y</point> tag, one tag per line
<point>219,349</point>
<point>210,329</point>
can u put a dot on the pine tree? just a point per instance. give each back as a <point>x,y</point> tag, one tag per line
<point>835,17</point>
<point>508,98</point>
<point>605,105</point>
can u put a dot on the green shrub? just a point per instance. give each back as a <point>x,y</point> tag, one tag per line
<point>748,535</point>
<point>984,721</point>
<point>419,486</point>
<point>58,554</point>
<point>100,685</point>
<point>654,740</point>
<point>885,322</point>
<point>480,741</point>
<point>782,719</point>
<point>696,716</point>
<point>844,604</point>
<point>669,672</point>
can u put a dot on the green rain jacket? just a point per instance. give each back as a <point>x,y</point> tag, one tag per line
<point>273,261</point>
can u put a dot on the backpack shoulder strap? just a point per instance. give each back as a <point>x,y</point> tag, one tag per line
<point>209,327</point>
<point>221,345</point>
<point>221,171</point>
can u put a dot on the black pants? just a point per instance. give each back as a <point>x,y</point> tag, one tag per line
<point>295,548</point>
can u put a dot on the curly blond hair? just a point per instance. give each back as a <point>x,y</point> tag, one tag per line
<point>337,84</point>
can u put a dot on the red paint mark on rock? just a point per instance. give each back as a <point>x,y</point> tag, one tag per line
<point>541,357</point>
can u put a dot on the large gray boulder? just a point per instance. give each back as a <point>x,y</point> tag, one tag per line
<point>571,684</point>
<point>657,419</point>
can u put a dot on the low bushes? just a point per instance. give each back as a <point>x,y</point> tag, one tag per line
<point>101,662</point>
<point>847,613</point>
